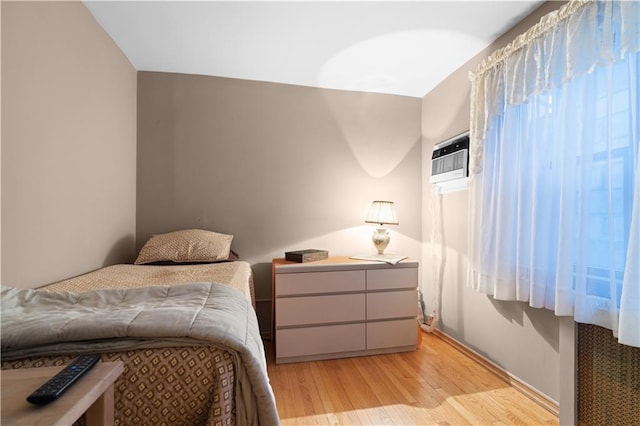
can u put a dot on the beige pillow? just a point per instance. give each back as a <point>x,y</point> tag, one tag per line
<point>191,245</point>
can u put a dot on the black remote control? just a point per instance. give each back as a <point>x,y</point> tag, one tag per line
<point>59,383</point>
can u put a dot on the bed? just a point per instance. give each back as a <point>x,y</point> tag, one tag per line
<point>180,369</point>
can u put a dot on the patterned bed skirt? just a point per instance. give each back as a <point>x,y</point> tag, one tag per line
<point>165,386</point>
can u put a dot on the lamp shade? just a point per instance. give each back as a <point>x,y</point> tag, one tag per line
<point>382,212</point>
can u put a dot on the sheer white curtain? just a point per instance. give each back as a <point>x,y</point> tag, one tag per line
<point>555,181</point>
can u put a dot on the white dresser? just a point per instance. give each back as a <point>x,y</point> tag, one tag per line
<point>340,307</point>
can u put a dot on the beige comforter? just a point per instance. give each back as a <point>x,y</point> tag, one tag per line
<point>39,323</point>
<point>234,274</point>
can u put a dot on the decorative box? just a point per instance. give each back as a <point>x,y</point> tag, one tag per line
<point>308,255</point>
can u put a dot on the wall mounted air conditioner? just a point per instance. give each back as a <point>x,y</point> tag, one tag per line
<point>450,164</point>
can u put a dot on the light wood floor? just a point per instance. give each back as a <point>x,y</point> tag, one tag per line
<point>436,384</point>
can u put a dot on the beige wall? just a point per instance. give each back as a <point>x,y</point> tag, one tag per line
<point>0,144</point>
<point>68,144</point>
<point>281,167</point>
<point>520,339</point>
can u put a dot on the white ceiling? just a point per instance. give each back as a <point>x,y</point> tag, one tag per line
<point>403,48</point>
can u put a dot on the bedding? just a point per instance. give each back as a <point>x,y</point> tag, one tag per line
<point>174,376</point>
<point>235,274</point>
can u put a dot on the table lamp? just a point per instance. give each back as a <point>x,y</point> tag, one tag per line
<point>384,213</point>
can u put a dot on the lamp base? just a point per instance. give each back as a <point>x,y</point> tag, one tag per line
<point>381,239</point>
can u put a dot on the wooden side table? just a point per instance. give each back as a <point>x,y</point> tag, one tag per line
<point>92,393</point>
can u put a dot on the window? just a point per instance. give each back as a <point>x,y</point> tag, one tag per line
<point>554,199</point>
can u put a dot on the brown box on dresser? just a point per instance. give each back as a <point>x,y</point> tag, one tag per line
<point>308,255</point>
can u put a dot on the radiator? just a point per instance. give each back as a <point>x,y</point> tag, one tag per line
<point>608,379</point>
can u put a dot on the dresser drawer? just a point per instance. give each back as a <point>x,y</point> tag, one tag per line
<point>292,311</point>
<point>392,304</point>
<point>319,282</point>
<point>382,279</point>
<point>389,334</point>
<point>320,340</point>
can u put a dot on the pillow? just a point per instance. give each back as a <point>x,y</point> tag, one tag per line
<point>191,245</point>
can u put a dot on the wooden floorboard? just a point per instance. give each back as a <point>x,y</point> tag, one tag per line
<point>437,384</point>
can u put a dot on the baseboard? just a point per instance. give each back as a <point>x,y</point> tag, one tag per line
<point>532,393</point>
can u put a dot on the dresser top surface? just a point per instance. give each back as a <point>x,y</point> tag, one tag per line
<point>341,263</point>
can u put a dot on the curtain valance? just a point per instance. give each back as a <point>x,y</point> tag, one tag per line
<point>548,55</point>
